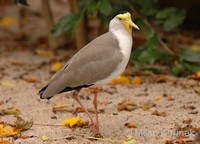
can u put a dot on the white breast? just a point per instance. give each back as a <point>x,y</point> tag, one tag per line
<point>125,43</point>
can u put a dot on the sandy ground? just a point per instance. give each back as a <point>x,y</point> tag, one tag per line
<point>164,105</point>
<point>175,97</point>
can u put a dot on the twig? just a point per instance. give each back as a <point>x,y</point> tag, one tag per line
<point>42,124</point>
<point>159,39</point>
<point>58,106</point>
<point>107,140</point>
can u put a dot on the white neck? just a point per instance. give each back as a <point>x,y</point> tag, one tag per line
<point>123,36</point>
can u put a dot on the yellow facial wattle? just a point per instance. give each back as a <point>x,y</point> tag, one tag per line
<point>127,22</point>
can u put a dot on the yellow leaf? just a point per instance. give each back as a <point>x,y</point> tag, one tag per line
<point>45,138</point>
<point>7,84</point>
<point>75,122</point>
<point>130,140</point>
<point>2,141</point>
<point>10,111</point>
<point>56,67</point>
<point>7,21</point>
<point>8,130</point>
<point>197,75</point>
<point>44,52</point>
<point>121,80</point>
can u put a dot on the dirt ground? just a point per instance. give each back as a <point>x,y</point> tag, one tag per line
<point>175,101</point>
<point>165,107</point>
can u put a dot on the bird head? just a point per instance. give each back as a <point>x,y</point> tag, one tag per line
<point>125,18</point>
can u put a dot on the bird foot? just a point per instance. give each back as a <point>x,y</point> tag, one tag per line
<point>95,130</point>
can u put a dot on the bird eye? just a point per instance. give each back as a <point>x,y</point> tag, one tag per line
<point>120,19</point>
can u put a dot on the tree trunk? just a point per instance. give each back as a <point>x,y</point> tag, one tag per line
<point>46,10</point>
<point>81,35</point>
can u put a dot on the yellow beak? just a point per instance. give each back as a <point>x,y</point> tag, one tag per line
<point>133,25</point>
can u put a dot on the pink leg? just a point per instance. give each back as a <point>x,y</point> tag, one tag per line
<point>95,127</point>
<point>76,97</point>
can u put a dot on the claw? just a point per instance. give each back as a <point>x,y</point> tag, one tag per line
<point>95,130</point>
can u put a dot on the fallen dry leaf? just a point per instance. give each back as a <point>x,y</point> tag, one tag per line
<point>75,122</point>
<point>197,75</point>
<point>2,141</point>
<point>48,138</point>
<point>136,81</point>
<point>127,105</point>
<point>130,140</point>
<point>157,113</point>
<point>10,111</point>
<point>44,52</point>
<point>8,130</point>
<point>131,125</point>
<point>56,67</point>
<point>120,80</point>
<point>22,124</point>
<point>8,21</point>
<point>158,98</point>
<point>31,79</point>
<point>162,78</point>
<point>7,83</point>
<point>61,108</point>
<point>148,105</point>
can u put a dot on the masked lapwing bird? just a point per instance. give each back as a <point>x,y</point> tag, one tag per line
<point>97,63</point>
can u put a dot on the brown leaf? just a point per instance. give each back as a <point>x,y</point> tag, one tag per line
<point>17,63</point>
<point>148,105</point>
<point>162,78</point>
<point>136,81</point>
<point>158,98</point>
<point>22,124</point>
<point>31,79</point>
<point>62,108</point>
<point>131,125</point>
<point>127,105</point>
<point>188,121</point>
<point>157,113</point>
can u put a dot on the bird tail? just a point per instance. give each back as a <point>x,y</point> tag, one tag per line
<point>41,93</point>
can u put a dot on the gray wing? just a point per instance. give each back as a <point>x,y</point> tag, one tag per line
<point>94,62</point>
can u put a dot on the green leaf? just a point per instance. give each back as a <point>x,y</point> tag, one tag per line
<point>90,6</point>
<point>170,18</point>
<point>178,69</point>
<point>191,67</point>
<point>23,2</point>
<point>152,41</point>
<point>174,20</point>
<point>67,23</point>
<point>185,68</point>
<point>149,32</point>
<point>136,53</point>
<point>164,14</point>
<point>190,55</point>
<point>105,7</point>
<point>150,56</point>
